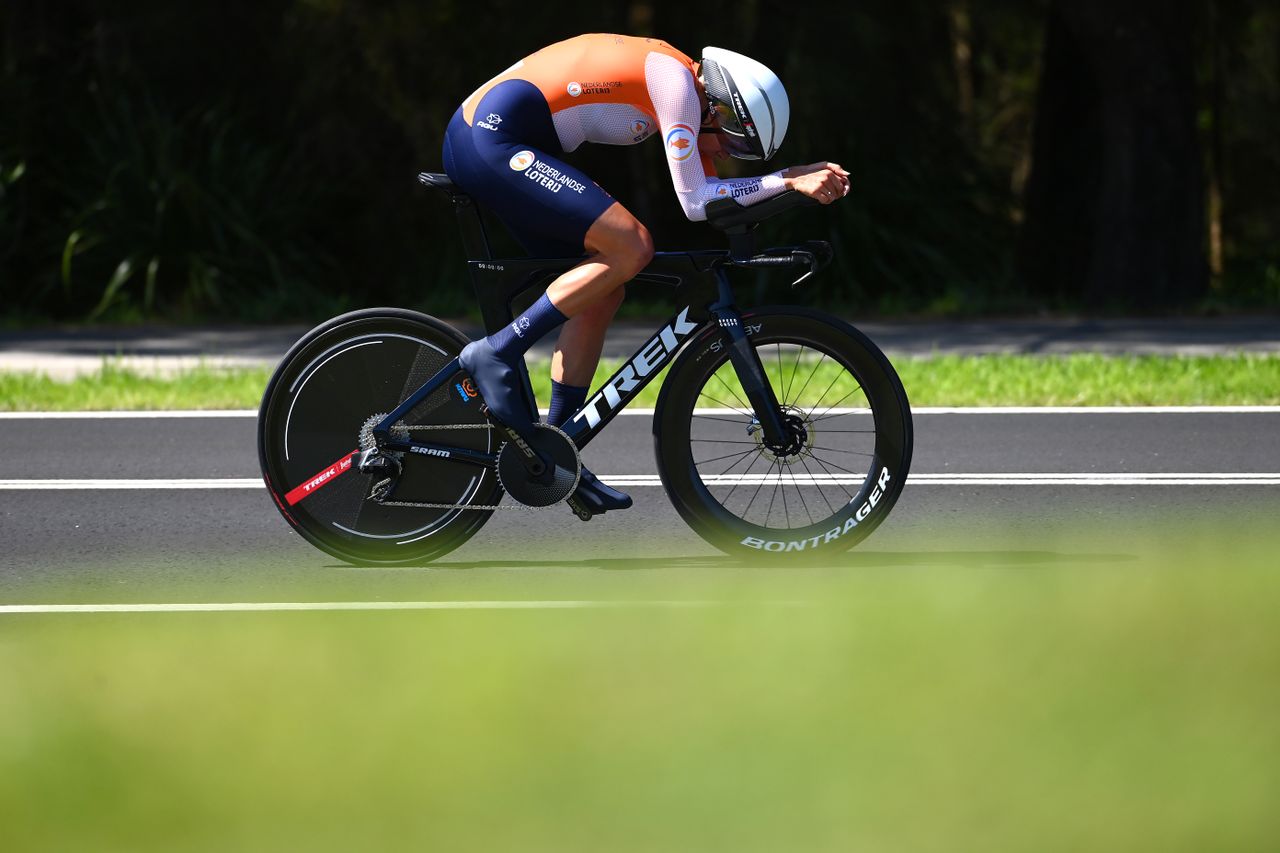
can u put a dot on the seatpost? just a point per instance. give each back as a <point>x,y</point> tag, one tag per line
<point>475,240</point>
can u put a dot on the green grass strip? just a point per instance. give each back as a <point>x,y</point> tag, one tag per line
<point>988,380</point>
<point>1111,693</point>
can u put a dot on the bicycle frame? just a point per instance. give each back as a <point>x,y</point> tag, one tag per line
<point>698,280</point>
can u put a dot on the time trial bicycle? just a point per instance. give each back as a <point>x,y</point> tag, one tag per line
<point>777,430</point>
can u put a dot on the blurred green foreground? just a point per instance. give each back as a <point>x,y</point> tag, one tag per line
<point>1096,694</point>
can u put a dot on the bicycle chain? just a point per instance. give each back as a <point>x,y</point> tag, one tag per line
<point>424,505</point>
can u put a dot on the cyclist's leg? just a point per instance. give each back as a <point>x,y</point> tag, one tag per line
<point>619,247</point>
<point>503,162</point>
<point>554,211</point>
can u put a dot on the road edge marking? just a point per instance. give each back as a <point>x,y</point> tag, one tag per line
<point>159,414</point>
<point>286,606</point>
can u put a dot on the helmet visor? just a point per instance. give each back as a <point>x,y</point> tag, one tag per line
<point>733,138</point>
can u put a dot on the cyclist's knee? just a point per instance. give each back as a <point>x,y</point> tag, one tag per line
<point>622,238</point>
<point>634,252</point>
<point>643,247</point>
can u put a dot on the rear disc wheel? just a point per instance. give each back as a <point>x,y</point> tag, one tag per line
<point>329,385</point>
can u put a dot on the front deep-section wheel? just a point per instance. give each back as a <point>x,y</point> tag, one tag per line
<point>337,381</point>
<point>844,456</point>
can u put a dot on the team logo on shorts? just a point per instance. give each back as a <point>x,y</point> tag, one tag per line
<point>681,142</point>
<point>574,89</point>
<point>639,129</point>
<point>521,161</point>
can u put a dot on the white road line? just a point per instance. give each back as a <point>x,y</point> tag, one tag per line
<point>91,485</point>
<point>644,412</point>
<point>128,415</point>
<point>282,606</point>
<point>1087,478</point>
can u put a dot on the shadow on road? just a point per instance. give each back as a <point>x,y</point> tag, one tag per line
<point>856,560</point>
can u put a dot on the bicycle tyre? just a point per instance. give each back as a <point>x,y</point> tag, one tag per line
<point>328,385</point>
<point>705,498</point>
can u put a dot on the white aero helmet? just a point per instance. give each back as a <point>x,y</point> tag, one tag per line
<point>750,100</point>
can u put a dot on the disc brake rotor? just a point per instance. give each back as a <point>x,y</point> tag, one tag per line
<point>800,436</point>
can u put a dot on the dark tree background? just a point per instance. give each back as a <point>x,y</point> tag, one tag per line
<point>255,160</point>
<point>1115,205</point>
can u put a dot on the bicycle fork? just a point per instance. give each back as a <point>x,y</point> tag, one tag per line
<point>747,366</point>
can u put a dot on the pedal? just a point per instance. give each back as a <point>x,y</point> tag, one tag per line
<point>579,508</point>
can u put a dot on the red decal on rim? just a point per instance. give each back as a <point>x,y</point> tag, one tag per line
<point>327,475</point>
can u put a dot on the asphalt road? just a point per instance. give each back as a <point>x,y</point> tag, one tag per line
<point>97,544</point>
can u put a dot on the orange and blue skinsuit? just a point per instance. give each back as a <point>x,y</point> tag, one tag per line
<point>504,143</point>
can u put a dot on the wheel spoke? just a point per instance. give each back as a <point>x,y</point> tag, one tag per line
<point>782,482</point>
<point>735,454</point>
<point>786,394</point>
<point>837,483</point>
<point>859,431</point>
<point>777,347</point>
<point>732,394</point>
<point>827,390</point>
<point>725,405</point>
<point>821,493</point>
<point>725,420</point>
<point>754,459</point>
<point>825,463</point>
<point>837,403</point>
<point>812,373</point>
<point>839,450</point>
<point>757,491</point>
<point>773,497</point>
<point>739,462</point>
<point>800,492</point>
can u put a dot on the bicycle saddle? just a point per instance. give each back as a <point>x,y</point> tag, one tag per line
<point>442,182</point>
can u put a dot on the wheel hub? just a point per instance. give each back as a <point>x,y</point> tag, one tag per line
<point>798,436</point>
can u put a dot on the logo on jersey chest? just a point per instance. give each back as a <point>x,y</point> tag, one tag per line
<point>681,142</point>
<point>599,87</point>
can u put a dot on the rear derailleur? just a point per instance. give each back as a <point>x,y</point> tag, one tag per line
<point>384,466</point>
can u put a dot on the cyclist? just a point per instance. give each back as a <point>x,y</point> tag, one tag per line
<point>503,147</point>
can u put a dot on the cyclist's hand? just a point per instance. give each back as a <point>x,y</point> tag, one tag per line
<point>825,182</point>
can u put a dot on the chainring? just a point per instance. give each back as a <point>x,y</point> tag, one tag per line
<point>552,443</point>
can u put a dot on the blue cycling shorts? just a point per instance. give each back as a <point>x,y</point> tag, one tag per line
<point>508,161</point>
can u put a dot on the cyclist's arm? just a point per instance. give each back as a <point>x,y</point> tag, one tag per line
<point>675,103</point>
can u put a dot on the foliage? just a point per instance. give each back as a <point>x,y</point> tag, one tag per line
<point>184,216</point>
<point>256,159</point>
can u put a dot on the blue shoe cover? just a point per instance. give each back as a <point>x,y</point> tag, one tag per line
<point>598,496</point>
<point>499,383</point>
